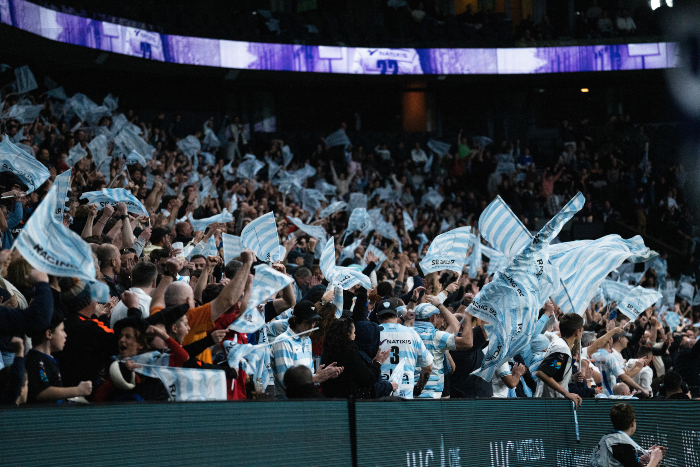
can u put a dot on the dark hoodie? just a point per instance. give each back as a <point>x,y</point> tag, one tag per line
<point>367,341</point>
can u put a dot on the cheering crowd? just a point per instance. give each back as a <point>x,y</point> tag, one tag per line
<point>251,271</point>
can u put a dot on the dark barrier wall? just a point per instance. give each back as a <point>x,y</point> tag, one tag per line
<point>474,433</point>
<point>514,432</point>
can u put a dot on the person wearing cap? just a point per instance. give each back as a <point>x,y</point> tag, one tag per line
<point>428,318</point>
<point>291,349</point>
<point>143,281</point>
<point>90,344</point>
<point>612,371</point>
<point>404,344</point>
<point>296,257</point>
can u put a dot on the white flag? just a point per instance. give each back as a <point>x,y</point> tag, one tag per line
<point>232,247</point>
<point>260,235</point>
<point>200,225</point>
<point>25,80</point>
<point>407,222</point>
<point>113,196</point>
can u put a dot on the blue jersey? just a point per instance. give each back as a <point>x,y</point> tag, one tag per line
<point>609,367</point>
<point>404,343</point>
<point>287,353</point>
<point>437,342</point>
<point>386,62</point>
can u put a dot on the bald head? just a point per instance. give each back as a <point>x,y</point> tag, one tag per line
<point>108,256</point>
<point>621,389</point>
<point>179,293</point>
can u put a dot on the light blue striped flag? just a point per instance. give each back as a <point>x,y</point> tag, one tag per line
<point>376,252</point>
<point>305,172</point>
<point>337,138</point>
<point>184,384</point>
<point>249,168</point>
<point>190,146</point>
<point>638,300</point>
<point>51,247</point>
<point>433,198</point>
<point>232,247</point>
<point>315,231</point>
<point>386,229</point>
<point>497,260</point>
<point>135,158</point>
<point>128,140</point>
<point>58,93</point>
<point>311,200</point>
<point>62,184</point>
<point>344,277</point>
<point>211,249</point>
<point>98,148</point>
<point>260,235</point>
<point>349,251</point>
<point>511,302</point>
<point>614,291</point>
<point>327,262</point>
<point>24,114</point>
<point>210,139</point>
<point>474,260</point>
<point>272,168</point>
<point>502,229</point>
<point>25,167</point>
<point>359,220</point>
<point>438,147</point>
<point>82,105</point>
<point>246,357</point>
<point>112,196</point>
<point>583,266</point>
<point>332,209</point>
<point>111,102</point>
<point>448,251</point>
<point>357,200</point>
<point>205,190</point>
<point>25,80</point>
<point>423,239</point>
<point>75,155</point>
<point>200,225</point>
<point>326,188</point>
<point>287,155</point>
<point>99,291</point>
<point>407,222</point>
<point>287,182</point>
<point>266,284</point>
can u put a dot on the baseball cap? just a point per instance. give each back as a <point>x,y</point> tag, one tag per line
<point>387,306</point>
<point>294,254</point>
<point>425,311</point>
<point>621,334</point>
<point>306,311</point>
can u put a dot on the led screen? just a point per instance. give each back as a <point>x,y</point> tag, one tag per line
<point>127,40</point>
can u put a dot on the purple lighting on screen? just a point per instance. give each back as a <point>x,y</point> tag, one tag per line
<point>127,40</point>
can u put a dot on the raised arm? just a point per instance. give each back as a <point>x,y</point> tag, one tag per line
<point>92,214</point>
<point>602,340</point>
<point>450,319</point>
<point>288,299</point>
<point>233,291</point>
<point>203,280</point>
<point>99,226</point>
<point>173,266</point>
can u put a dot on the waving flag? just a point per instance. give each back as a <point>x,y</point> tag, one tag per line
<point>75,155</point>
<point>583,266</point>
<point>359,220</point>
<point>266,284</point>
<point>433,198</point>
<point>407,222</point>
<point>315,231</point>
<point>99,150</point>
<point>423,239</point>
<point>82,105</point>
<point>189,146</point>
<point>232,247</point>
<point>511,302</point>
<point>502,229</point>
<point>386,229</point>
<point>311,200</point>
<point>349,251</point>
<point>185,384</point>
<point>260,235</point>
<point>62,184</point>
<point>110,102</point>
<point>25,167</point>
<point>135,158</point>
<point>127,140</point>
<point>23,113</point>
<point>474,260</point>
<point>332,209</point>
<point>438,147</point>
<point>448,251</point>
<point>206,189</point>
<point>326,188</point>
<point>58,93</point>
<point>376,252</point>
<point>113,196</point>
<point>638,300</point>
<point>305,172</point>
<point>118,123</point>
<point>327,262</point>
<point>210,139</point>
<point>272,167</point>
<point>249,168</point>
<point>357,200</point>
<point>51,247</point>
<point>25,80</point>
<point>337,138</point>
<point>247,357</point>
<point>497,260</point>
<point>201,225</point>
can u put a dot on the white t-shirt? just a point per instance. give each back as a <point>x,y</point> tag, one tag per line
<point>644,377</point>
<point>499,387</point>
<point>120,309</point>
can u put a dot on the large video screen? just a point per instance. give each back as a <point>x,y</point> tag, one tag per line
<point>127,40</point>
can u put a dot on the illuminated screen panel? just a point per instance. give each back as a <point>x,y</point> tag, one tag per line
<point>127,40</point>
